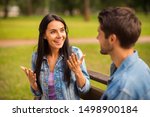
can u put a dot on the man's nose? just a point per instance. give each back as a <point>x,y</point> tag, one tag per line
<point>97,37</point>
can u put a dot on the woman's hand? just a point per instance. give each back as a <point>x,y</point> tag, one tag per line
<point>74,65</point>
<point>31,77</point>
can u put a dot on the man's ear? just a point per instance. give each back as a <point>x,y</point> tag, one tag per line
<point>112,38</point>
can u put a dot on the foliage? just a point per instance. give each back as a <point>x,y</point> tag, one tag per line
<point>61,6</point>
<point>142,5</point>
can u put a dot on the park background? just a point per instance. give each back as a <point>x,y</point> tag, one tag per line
<point>19,21</point>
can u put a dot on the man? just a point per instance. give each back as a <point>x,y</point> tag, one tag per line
<point>117,34</point>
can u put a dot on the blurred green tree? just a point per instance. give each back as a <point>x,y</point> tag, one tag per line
<point>142,5</point>
<point>86,12</point>
<point>6,3</point>
<point>71,7</point>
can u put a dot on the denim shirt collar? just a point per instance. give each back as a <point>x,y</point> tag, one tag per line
<point>58,60</point>
<point>60,57</point>
<point>125,64</point>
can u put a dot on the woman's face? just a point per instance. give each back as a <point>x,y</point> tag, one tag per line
<point>55,34</point>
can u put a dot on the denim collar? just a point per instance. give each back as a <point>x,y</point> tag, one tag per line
<point>60,57</point>
<point>124,65</point>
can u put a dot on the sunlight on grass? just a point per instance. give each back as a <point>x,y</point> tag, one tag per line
<point>14,83</point>
<point>27,27</point>
<point>19,28</point>
<point>145,20</point>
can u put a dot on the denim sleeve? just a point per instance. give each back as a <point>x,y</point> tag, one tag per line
<point>33,63</point>
<point>35,93</point>
<point>86,87</point>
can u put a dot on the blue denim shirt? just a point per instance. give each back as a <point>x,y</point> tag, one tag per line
<point>131,81</point>
<point>63,92</point>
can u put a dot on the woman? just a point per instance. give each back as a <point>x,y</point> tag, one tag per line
<point>58,70</point>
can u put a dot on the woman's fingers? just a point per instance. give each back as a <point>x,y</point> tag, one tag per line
<point>31,77</point>
<point>69,64</point>
<point>23,68</point>
<point>74,63</point>
<point>73,60</point>
<point>30,74</point>
<point>27,72</point>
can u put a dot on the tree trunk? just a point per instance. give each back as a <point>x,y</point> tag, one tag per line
<point>6,2</point>
<point>145,6</point>
<point>46,7</point>
<point>86,10</point>
<point>29,7</point>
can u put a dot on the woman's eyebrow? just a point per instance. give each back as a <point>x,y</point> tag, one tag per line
<point>56,28</point>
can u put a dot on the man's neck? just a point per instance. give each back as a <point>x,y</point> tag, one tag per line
<point>119,55</point>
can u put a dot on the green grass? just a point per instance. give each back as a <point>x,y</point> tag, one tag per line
<point>19,28</point>
<point>78,28</point>
<point>27,27</point>
<point>14,84</point>
<point>145,20</point>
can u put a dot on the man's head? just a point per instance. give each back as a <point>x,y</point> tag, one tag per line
<point>120,23</point>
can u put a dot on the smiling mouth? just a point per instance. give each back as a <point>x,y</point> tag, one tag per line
<point>58,42</point>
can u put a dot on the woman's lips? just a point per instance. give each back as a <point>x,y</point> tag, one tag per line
<point>58,42</point>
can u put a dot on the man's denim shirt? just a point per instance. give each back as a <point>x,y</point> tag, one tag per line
<point>63,92</point>
<point>131,81</point>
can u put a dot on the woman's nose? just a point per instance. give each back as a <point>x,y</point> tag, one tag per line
<point>58,34</point>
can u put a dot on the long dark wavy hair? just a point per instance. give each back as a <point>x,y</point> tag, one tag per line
<point>43,48</point>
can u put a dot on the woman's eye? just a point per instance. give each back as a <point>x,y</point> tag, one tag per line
<point>62,30</point>
<point>52,32</point>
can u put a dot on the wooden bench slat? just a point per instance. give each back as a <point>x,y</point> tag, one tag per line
<point>99,77</point>
<point>93,94</point>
